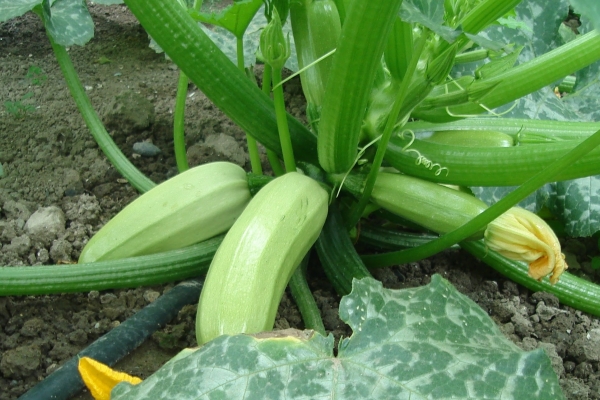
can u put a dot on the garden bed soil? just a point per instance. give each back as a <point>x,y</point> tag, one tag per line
<point>50,160</point>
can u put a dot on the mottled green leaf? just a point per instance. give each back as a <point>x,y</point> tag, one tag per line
<point>427,342</point>
<point>534,202</point>
<point>577,204</point>
<point>429,14</point>
<point>10,9</point>
<point>585,101</point>
<point>69,22</point>
<point>227,42</point>
<point>588,8</point>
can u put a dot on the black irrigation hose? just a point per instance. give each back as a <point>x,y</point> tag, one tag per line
<point>116,344</point>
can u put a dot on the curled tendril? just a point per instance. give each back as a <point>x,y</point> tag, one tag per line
<point>421,159</point>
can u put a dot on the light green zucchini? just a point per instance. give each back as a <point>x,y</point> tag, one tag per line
<point>195,205</point>
<point>428,204</point>
<point>258,256</point>
<point>471,138</point>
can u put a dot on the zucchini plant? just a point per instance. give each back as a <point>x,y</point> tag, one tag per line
<point>403,96</point>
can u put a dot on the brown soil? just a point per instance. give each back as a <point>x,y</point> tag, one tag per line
<point>50,159</point>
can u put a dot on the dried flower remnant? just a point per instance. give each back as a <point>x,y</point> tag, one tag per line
<point>523,236</point>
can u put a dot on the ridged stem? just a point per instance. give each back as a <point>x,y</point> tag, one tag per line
<point>125,273</point>
<point>179,123</point>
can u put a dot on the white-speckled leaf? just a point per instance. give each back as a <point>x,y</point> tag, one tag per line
<point>227,42</point>
<point>10,9</point>
<point>534,202</point>
<point>544,18</point>
<point>585,102</point>
<point>577,204</point>
<point>429,342</point>
<point>69,22</point>
<point>430,14</point>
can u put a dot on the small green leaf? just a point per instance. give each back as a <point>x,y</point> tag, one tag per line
<point>10,9</point>
<point>235,18</point>
<point>69,22</point>
<point>425,342</point>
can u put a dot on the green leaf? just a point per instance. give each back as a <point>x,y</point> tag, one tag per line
<point>10,9</point>
<point>429,14</point>
<point>543,17</point>
<point>534,202</point>
<point>577,204</point>
<point>588,8</point>
<point>426,342</point>
<point>227,42</point>
<point>235,17</point>
<point>69,22</point>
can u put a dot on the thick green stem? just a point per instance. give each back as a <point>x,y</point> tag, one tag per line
<point>125,273</point>
<point>485,166</point>
<point>570,290</point>
<point>282,123</point>
<point>477,223</point>
<point>525,78</point>
<point>350,82</point>
<point>357,211</point>
<point>304,299</point>
<point>137,179</point>
<point>179,123</point>
<point>217,77</point>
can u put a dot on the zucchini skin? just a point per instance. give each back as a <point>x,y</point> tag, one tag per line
<point>471,138</point>
<point>430,205</point>
<point>193,206</point>
<point>435,207</point>
<point>258,256</point>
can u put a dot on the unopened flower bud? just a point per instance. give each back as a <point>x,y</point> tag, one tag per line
<point>440,67</point>
<point>274,46</point>
<point>523,236</point>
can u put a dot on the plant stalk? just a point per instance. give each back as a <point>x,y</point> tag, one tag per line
<point>137,179</point>
<point>179,123</point>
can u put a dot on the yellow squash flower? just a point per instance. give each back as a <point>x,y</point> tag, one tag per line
<point>523,236</point>
<point>101,379</point>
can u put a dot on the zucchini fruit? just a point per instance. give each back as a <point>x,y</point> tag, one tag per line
<point>471,138</point>
<point>258,256</point>
<point>193,206</point>
<point>430,205</point>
